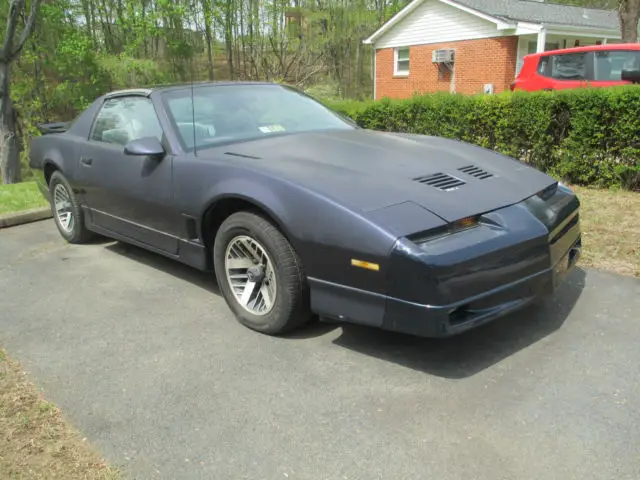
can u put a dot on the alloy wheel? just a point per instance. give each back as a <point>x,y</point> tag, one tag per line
<point>250,275</point>
<point>63,207</point>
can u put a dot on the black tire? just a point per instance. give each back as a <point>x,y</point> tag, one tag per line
<point>77,233</point>
<point>291,305</point>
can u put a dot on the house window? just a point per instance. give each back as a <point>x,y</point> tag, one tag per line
<point>532,47</point>
<point>401,61</point>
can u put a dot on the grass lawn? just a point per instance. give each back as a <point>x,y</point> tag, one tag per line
<point>610,223</point>
<point>35,441</point>
<point>20,196</point>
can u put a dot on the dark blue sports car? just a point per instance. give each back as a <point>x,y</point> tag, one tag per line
<point>300,212</point>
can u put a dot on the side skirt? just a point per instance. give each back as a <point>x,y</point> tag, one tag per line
<point>190,253</point>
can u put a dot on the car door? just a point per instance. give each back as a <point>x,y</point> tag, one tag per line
<point>129,195</point>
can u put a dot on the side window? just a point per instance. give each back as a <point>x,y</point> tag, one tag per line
<point>571,66</point>
<point>124,119</point>
<point>609,64</point>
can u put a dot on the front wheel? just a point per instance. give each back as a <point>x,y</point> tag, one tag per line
<point>66,210</point>
<point>260,275</point>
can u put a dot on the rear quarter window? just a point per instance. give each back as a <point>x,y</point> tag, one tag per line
<point>542,65</point>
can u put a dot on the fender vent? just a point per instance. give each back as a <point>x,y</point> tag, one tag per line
<point>441,180</point>
<point>476,172</point>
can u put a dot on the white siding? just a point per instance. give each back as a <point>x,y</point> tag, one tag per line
<point>436,22</point>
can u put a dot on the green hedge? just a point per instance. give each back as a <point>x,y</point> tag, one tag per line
<point>587,136</point>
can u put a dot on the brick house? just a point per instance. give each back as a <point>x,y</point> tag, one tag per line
<point>476,46</point>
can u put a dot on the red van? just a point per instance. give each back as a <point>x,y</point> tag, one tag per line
<point>580,67</point>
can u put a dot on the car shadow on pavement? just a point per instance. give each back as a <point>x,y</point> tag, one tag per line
<point>469,353</point>
<point>456,357</point>
<point>204,280</point>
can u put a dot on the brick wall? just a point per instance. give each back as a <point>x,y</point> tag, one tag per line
<point>478,62</point>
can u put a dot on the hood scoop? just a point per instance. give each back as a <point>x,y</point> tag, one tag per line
<point>441,181</point>
<point>476,172</point>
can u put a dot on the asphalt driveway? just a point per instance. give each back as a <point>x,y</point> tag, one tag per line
<point>143,356</point>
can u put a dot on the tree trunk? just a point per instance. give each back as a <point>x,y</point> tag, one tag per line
<point>359,67</point>
<point>348,74</point>
<point>9,155</point>
<point>228,38</point>
<point>207,34</point>
<point>629,11</point>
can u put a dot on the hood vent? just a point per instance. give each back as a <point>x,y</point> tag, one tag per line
<point>441,180</point>
<point>476,172</point>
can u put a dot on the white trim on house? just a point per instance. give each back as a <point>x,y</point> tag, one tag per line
<point>391,22</point>
<point>582,31</point>
<point>434,21</point>
<point>525,28</point>
<point>417,3</point>
<point>501,27</point>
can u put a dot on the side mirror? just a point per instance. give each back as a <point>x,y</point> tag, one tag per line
<point>632,76</point>
<point>145,147</point>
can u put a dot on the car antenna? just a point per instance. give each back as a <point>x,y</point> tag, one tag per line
<point>193,116</point>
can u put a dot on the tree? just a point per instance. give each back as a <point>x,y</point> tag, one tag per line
<point>629,12</point>
<point>11,47</point>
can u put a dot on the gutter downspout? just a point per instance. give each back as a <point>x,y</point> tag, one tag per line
<point>374,72</point>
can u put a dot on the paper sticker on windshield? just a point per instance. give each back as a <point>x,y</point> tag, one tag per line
<point>272,128</point>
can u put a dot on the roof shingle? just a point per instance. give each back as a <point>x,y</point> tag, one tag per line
<point>543,12</point>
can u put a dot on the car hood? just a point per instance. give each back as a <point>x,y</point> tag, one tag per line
<point>368,171</point>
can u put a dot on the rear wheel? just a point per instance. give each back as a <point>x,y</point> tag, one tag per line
<point>66,211</point>
<point>260,275</point>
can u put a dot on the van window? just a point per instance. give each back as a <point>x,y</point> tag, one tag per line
<point>609,64</point>
<point>570,66</point>
<point>542,66</point>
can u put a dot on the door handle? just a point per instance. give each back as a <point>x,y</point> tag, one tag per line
<point>86,161</point>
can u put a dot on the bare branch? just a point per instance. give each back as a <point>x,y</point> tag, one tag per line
<point>28,29</point>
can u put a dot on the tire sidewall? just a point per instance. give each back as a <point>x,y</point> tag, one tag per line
<point>75,234</point>
<point>275,320</point>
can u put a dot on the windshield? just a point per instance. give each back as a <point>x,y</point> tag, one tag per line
<point>610,64</point>
<point>227,113</point>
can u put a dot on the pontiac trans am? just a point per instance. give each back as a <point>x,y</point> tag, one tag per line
<point>300,213</point>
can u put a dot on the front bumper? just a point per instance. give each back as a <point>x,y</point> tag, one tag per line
<point>519,253</point>
<point>440,284</point>
<point>468,313</point>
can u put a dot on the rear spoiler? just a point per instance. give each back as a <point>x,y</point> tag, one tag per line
<point>56,127</point>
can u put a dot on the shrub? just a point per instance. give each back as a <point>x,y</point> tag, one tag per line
<point>585,136</point>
